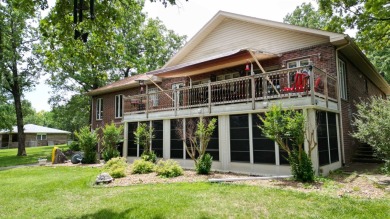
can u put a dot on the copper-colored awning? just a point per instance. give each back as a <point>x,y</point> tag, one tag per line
<point>212,63</point>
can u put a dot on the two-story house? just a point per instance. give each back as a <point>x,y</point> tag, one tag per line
<point>234,69</point>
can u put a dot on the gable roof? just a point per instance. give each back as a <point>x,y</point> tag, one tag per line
<point>222,17</point>
<point>31,129</point>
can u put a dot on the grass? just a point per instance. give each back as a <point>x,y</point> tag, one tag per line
<point>8,156</point>
<point>68,192</point>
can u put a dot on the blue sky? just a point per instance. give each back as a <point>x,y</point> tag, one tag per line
<point>187,19</point>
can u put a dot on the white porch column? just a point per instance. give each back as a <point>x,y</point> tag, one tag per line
<point>224,141</point>
<point>166,138</point>
<point>311,137</point>
<point>125,140</point>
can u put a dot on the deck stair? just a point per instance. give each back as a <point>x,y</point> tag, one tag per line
<point>365,154</point>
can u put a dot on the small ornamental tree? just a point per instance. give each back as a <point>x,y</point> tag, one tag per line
<point>285,126</point>
<point>372,123</point>
<point>88,142</point>
<point>112,135</point>
<point>196,139</point>
<point>143,136</point>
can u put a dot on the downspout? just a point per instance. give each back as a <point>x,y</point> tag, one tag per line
<point>339,100</point>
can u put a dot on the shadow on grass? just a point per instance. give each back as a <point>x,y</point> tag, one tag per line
<point>106,213</point>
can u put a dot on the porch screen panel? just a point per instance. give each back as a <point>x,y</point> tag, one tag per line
<point>176,141</point>
<point>322,133</point>
<point>333,142</point>
<point>239,138</point>
<point>132,146</point>
<point>213,146</point>
<point>157,141</point>
<point>263,147</point>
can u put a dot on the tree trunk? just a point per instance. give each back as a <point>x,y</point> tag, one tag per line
<point>16,93</point>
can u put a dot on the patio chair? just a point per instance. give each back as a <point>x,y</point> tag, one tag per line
<point>299,84</point>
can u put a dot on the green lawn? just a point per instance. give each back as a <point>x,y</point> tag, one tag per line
<point>68,192</point>
<point>8,156</point>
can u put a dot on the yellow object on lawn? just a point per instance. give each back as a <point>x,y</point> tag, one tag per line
<point>53,154</point>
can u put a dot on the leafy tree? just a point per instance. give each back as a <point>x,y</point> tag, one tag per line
<point>19,70</point>
<point>165,2</point>
<point>284,126</point>
<point>371,18</point>
<point>372,123</point>
<point>72,115</point>
<point>119,43</point>
<point>6,114</point>
<point>306,15</point>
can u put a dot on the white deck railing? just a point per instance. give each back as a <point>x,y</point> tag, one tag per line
<point>281,84</point>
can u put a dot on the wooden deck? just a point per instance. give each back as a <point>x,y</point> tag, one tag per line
<point>282,84</point>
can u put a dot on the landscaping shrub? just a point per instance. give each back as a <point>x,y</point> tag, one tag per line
<point>149,156</point>
<point>168,168</point>
<point>301,171</point>
<point>372,123</point>
<point>109,153</point>
<point>203,165</point>
<point>116,167</point>
<point>74,146</point>
<point>141,166</point>
<point>88,141</point>
<point>111,137</point>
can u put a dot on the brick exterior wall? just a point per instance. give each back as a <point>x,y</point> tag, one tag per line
<point>322,56</point>
<point>356,91</point>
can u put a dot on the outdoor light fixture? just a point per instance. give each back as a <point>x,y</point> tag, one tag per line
<point>247,66</point>
<point>141,83</point>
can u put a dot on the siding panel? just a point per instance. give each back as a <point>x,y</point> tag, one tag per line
<point>233,34</point>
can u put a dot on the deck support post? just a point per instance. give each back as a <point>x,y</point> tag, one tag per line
<point>253,91</point>
<point>209,96</point>
<point>125,140</point>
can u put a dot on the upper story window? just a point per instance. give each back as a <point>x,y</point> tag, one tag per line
<point>343,79</point>
<point>99,109</point>
<point>41,136</point>
<point>298,63</point>
<point>204,81</point>
<point>153,96</point>
<point>118,106</point>
<point>228,76</point>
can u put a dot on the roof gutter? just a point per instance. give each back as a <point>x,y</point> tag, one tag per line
<point>339,99</point>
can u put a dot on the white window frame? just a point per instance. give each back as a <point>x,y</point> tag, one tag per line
<point>118,106</point>
<point>298,63</point>
<point>153,95</point>
<point>41,136</point>
<point>228,76</point>
<point>343,79</point>
<point>99,108</point>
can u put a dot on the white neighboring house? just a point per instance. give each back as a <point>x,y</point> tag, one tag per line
<point>35,136</point>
